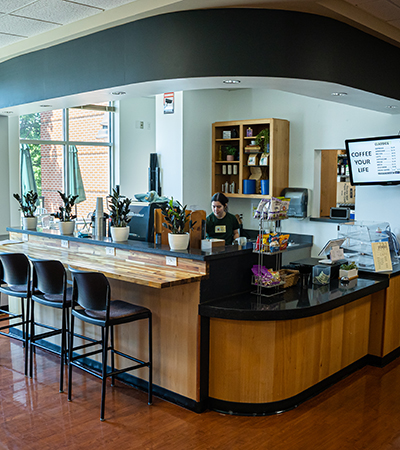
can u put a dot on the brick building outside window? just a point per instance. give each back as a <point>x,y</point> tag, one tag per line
<point>83,128</point>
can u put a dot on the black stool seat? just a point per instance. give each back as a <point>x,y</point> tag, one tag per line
<point>53,300</point>
<point>15,290</point>
<point>15,276</point>
<point>91,303</point>
<point>120,312</point>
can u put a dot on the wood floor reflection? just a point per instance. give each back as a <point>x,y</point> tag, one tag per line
<point>360,412</point>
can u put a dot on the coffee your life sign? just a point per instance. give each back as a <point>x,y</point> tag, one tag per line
<point>374,160</point>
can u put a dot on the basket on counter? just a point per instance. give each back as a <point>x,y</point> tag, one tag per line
<point>289,277</point>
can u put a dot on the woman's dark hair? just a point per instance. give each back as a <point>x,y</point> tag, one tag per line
<point>219,197</point>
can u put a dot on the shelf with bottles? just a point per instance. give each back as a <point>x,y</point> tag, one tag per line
<point>227,168</point>
<point>276,170</point>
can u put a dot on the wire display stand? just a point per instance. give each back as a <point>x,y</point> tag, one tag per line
<point>260,248</point>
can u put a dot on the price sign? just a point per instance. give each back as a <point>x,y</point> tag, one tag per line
<point>381,253</point>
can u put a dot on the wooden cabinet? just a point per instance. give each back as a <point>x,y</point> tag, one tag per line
<point>336,190</point>
<point>232,173</point>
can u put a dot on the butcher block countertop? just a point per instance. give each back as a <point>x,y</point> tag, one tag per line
<point>118,261</point>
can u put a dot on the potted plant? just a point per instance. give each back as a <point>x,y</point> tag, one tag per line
<point>349,270</point>
<point>119,210</point>
<point>175,219</point>
<point>262,139</point>
<point>28,206</point>
<point>230,153</point>
<point>66,222</point>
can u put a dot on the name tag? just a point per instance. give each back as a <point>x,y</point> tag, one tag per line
<point>220,229</point>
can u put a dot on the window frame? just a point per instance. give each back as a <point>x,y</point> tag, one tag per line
<point>111,110</point>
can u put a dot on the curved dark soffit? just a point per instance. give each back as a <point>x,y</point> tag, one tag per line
<point>220,42</point>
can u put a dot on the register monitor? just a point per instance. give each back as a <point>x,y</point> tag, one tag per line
<point>141,226</point>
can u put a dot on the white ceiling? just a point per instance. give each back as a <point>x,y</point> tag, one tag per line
<point>23,19</point>
<point>28,25</point>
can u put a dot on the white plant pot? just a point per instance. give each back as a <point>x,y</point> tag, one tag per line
<point>66,227</point>
<point>178,241</point>
<point>350,274</point>
<point>29,223</point>
<point>119,234</point>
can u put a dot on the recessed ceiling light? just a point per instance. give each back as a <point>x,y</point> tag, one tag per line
<point>339,94</point>
<point>391,106</point>
<point>118,93</point>
<point>231,81</point>
<point>45,106</point>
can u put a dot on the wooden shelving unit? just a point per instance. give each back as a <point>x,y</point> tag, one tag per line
<point>277,170</point>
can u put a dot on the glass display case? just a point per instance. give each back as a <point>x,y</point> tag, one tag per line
<point>358,238</point>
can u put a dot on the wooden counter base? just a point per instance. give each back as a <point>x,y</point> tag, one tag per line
<point>268,366</point>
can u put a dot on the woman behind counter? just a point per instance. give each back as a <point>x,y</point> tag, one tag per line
<point>220,223</point>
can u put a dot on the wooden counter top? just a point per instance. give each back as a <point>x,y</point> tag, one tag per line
<point>127,265</point>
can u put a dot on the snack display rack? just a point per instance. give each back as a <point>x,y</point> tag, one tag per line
<point>274,225</point>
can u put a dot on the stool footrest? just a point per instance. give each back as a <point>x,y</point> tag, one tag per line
<point>44,336</point>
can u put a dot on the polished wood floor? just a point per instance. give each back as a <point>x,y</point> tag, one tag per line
<point>360,412</point>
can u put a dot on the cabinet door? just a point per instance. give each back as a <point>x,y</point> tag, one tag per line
<point>328,182</point>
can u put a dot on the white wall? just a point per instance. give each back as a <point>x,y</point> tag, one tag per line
<point>4,176</point>
<point>184,141</point>
<point>314,124</point>
<point>135,144</point>
<point>14,170</point>
<point>169,146</point>
<point>200,110</point>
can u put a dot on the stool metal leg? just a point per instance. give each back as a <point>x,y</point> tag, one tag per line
<point>150,386</point>
<point>32,336</point>
<point>63,348</point>
<point>104,373</point>
<point>112,355</point>
<point>26,318</point>
<point>70,348</point>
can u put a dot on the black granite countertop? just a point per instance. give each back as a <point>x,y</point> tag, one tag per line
<point>140,246</point>
<point>294,303</point>
<point>148,247</point>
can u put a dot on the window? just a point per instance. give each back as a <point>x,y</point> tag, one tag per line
<point>69,151</point>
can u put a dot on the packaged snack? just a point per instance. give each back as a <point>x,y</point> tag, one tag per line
<point>265,242</point>
<point>274,208</point>
<point>285,202</point>
<point>264,276</point>
<point>273,243</point>
<point>260,208</point>
<point>283,241</point>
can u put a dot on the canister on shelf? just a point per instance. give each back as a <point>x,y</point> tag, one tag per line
<point>229,169</point>
<point>223,169</point>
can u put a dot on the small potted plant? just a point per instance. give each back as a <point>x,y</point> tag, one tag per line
<point>27,206</point>
<point>66,222</point>
<point>230,153</point>
<point>349,270</point>
<point>262,139</point>
<point>175,219</point>
<point>119,210</point>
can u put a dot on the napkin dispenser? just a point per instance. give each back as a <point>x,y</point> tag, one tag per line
<point>298,202</point>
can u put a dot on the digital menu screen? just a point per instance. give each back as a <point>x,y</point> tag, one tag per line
<point>374,160</point>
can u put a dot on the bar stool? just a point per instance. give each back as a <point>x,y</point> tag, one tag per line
<point>49,288</point>
<point>15,275</point>
<point>91,303</point>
